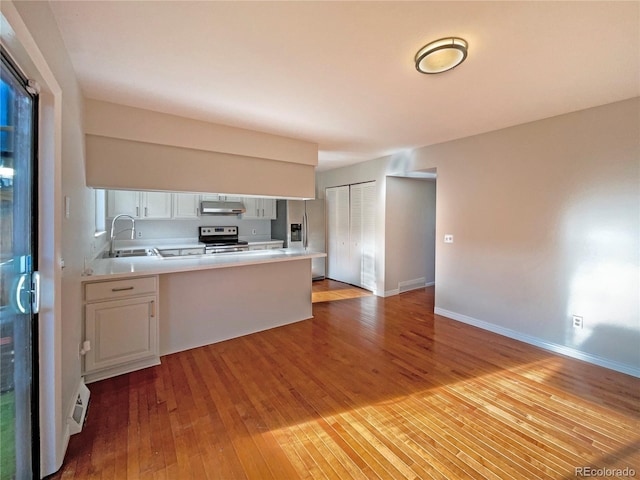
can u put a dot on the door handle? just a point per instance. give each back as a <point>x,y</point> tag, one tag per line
<point>121,289</point>
<point>35,292</point>
<point>32,288</point>
<point>19,289</point>
<point>305,231</point>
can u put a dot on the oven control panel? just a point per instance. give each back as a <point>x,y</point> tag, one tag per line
<point>214,231</point>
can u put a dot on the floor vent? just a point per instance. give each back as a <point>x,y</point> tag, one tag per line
<point>411,284</point>
<point>78,415</point>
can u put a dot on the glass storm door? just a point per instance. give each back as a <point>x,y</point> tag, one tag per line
<point>19,296</point>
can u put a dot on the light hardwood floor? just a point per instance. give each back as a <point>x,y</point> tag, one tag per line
<point>369,388</point>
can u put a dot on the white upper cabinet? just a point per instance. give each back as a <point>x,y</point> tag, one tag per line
<point>139,204</point>
<point>164,205</point>
<point>259,208</point>
<point>123,201</point>
<point>186,205</point>
<point>156,204</point>
<point>219,197</point>
<point>269,208</point>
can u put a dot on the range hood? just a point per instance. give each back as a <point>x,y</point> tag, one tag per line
<point>222,208</point>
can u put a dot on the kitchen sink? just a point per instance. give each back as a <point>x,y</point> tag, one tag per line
<point>179,252</point>
<point>131,252</point>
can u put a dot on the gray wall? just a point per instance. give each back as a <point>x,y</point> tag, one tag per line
<point>546,222</point>
<point>409,234</point>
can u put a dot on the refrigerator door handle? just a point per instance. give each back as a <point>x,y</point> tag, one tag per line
<point>305,232</point>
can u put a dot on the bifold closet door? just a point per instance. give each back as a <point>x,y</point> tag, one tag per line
<point>351,234</point>
<point>338,233</point>
<point>362,235</point>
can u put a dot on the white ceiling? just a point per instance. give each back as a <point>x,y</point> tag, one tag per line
<point>341,73</point>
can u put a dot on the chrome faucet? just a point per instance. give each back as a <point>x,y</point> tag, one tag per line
<point>112,239</point>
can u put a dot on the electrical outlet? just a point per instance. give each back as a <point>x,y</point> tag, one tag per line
<point>253,232</point>
<point>448,238</point>
<point>577,321</point>
<point>139,234</point>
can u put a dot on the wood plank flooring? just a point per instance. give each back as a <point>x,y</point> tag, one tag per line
<point>369,388</point>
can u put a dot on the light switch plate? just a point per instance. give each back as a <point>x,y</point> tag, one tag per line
<point>448,238</point>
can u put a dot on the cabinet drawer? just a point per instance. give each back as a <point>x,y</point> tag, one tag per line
<point>119,288</point>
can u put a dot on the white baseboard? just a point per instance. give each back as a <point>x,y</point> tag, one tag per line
<point>121,369</point>
<point>412,284</point>
<point>538,342</point>
<point>407,286</point>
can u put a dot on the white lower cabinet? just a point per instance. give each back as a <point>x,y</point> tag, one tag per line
<point>121,326</point>
<point>272,245</point>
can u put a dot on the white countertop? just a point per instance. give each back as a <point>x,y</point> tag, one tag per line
<point>114,268</point>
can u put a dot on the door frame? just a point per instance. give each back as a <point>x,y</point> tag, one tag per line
<point>54,431</point>
<point>34,408</point>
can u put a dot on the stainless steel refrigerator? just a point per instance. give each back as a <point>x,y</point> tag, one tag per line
<point>300,224</point>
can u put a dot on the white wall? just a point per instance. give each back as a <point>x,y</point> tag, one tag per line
<point>62,148</point>
<point>546,222</point>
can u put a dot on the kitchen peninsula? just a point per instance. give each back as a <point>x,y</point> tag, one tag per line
<point>201,300</point>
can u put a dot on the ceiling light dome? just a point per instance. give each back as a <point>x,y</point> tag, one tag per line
<point>441,55</point>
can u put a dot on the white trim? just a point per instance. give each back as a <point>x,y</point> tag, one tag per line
<point>538,342</point>
<point>416,284</point>
<point>54,432</point>
<point>121,369</point>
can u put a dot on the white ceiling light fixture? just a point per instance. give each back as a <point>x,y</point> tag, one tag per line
<point>441,55</point>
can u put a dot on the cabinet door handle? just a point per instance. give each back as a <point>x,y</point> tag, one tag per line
<point>263,212</point>
<point>152,306</point>
<point>121,289</point>
<point>137,211</point>
<point>146,211</point>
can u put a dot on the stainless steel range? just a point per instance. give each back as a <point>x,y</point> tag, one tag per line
<point>221,240</point>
